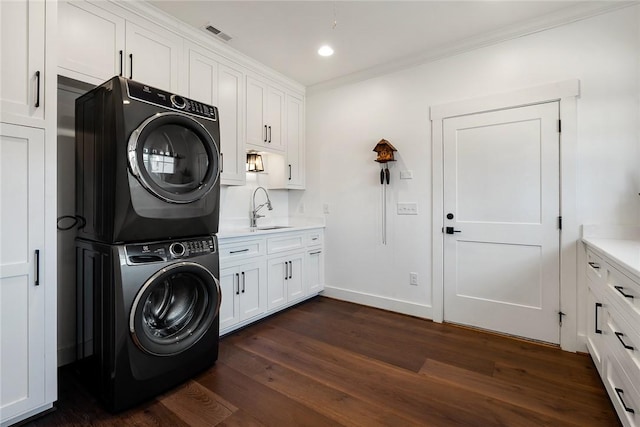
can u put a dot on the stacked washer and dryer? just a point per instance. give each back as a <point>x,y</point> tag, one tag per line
<point>147,173</point>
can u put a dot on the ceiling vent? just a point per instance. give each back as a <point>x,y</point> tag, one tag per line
<point>216,32</point>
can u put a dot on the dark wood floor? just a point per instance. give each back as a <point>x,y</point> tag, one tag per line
<point>331,363</point>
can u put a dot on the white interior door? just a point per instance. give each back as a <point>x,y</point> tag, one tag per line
<point>501,200</point>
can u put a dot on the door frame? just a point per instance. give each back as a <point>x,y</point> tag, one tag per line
<point>566,92</point>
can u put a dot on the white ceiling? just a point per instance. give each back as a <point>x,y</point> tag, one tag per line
<point>285,35</point>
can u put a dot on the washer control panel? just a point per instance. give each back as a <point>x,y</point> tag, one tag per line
<point>144,253</point>
<point>171,101</point>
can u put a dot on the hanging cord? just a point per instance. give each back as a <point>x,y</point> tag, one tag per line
<point>76,221</point>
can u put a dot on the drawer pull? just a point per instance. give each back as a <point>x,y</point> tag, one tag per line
<point>620,392</point>
<point>594,265</point>
<point>620,289</point>
<point>620,335</point>
<point>239,251</point>
<point>315,253</point>
<point>598,331</point>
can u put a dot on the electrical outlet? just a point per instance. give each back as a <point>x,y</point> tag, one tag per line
<point>407,209</point>
<point>325,208</point>
<point>413,279</point>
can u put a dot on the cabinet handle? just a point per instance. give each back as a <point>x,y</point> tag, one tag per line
<point>594,265</point>
<point>620,392</point>
<point>290,270</point>
<point>286,270</point>
<point>619,335</point>
<point>37,89</point>
<point>620,289</point>
<point>121,63</point>
<point>238,280</point>
<point>265,133</point>
<point>239,251</point>
<point>598,331</point>
<point>131,65</point>
<point>37,281</point>
<point>221,162</point>
<point>269,134</point>
<point>243,282</point>
<point>289,172</point>
<point>319,252</point>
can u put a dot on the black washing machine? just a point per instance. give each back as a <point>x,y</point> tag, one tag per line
<point>147,316</point>
<point>147,164</point>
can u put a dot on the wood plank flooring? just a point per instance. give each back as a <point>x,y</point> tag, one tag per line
<point>332,363</point>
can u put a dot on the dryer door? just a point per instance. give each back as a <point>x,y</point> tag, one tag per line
<point>174,157</point>
<point>174,309</point>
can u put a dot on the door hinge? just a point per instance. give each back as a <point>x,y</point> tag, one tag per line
<point>559,126</point>
<point>560,223</point>
<point>560,314</point>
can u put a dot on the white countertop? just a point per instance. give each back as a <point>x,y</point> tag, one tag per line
<point>625,252</point>
<point>225,233</point>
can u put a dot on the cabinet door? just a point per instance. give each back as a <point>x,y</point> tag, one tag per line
<point>252,290</point>
<point>203,77</point>
<point>91,42</point>
<point>256,127</point>
<point>152,56</point>
<point>294,172</point>
<point>275,119</point>
<point>230,104</point>
<point>296,283</point>
<point>229,308</point>
<point>595,326</point>
<point>278,270</point>
<point>22,308</point>
<point>22,37</point>
<point>315,271</point>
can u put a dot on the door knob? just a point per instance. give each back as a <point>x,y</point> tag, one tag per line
<point>449,215</point>
<point>450,230</point>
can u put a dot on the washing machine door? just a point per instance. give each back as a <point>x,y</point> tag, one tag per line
<point>174,309</point>
<point>174,157</point>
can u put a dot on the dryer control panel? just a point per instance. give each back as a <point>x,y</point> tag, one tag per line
<point>143,253</point>
<point>159,97</point>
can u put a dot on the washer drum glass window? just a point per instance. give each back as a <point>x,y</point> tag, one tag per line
<point>174,157</point>
<point>174,309</point>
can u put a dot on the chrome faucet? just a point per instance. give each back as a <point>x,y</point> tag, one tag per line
<point>254,209</point>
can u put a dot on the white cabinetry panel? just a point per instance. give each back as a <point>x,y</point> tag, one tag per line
<point>22,304</point>
<point>91,42</point>
<point>22,40</point>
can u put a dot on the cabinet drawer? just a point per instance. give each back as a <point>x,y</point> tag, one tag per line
<point>624,293</point>
<point>315,238</point>
<point>241,250</point>
<point>625,342</point>
<point>284,243</point>
<point>623,394</point>
<point>595,268</point>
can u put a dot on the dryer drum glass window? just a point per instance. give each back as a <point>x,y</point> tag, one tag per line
<point>174,309</point>
<point>174,157</point>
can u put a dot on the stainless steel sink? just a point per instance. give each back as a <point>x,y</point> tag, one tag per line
<point>273,227</point>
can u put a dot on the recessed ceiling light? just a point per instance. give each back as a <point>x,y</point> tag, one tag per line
<point>325,51</point>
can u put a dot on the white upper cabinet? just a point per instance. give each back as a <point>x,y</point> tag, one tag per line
<point>90,41</point>
<point>22,55</point>
<point>265,115</point>
<point>152,56</point>
<point>96,44</point>
<point>295,143</point>
<point>214,81</point>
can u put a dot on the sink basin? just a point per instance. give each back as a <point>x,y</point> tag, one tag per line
<point>272,227</point>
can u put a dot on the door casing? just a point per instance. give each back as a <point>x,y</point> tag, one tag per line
<point>566,93</point>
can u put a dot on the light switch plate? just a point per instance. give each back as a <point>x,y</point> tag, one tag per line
<point>407,209</point>
<point>406,174</point>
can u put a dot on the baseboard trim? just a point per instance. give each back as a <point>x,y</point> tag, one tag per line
<point>377,301</point>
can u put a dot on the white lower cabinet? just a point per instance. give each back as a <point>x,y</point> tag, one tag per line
<point>260,276</point>
<point>613,331</point>
<point>285,281</point>
<point>243,293</point>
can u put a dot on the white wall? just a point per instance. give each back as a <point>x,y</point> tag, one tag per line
<point>345,123</point>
